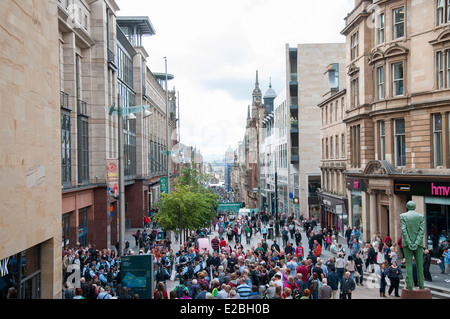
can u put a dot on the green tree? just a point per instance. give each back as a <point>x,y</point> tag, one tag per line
<point>190,205</point>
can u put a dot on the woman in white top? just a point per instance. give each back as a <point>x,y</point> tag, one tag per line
<point>351,266</point>
<point>340,267</point>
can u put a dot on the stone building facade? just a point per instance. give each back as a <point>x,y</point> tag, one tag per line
<point>398,115</point>
<point>103,64</point>
<point>305,67</point>
<point>30,167</point>
<point>333,194</point>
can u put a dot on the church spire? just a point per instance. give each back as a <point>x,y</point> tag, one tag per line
<point>256,96</point>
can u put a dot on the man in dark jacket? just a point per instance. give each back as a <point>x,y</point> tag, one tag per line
<point>371,257</point>
<point>333,282</point>
<point>426,265</point>
<point>348,286</point>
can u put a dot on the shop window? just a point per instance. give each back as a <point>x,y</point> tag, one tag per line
<point>437,140</point>
<point>399,142</point>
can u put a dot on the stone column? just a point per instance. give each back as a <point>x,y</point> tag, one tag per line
<point>373,212</point>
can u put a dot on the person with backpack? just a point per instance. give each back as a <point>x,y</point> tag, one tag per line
<point>160,292</point>
<point>161,275</point>
<point>296,291</point>
<point>180,289</point>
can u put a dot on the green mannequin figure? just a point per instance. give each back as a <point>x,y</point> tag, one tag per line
<point>412,225</point>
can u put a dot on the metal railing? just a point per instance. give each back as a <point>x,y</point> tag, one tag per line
<point>82,108</point>
<point>64,100</point>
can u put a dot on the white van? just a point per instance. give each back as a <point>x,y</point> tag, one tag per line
<point>244,212</point>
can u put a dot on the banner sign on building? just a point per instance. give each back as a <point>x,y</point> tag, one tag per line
<point>164,184</point>
<point>422,188</point>
<point>112,177</point>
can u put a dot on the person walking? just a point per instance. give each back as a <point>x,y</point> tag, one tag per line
<point>382,275</point>
<point>348,286</point>
<point>325,291</point>
<point>333,282</point>
<point>359,272</point>
<point>426,265</point>
<point>394,274</point>
<point>340,267</point>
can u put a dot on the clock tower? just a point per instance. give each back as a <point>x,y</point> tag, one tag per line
<point>257,95</point>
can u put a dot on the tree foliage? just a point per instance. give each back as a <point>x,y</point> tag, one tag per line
<point>190,205</point>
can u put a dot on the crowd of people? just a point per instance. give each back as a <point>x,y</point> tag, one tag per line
<point>289,271</point>
<point>232,268</point>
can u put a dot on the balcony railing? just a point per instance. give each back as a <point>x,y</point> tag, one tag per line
<point>112,60</point>
<point>64,100</point>
<point>82,108</point>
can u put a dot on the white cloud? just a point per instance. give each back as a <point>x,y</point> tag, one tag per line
<point>214,48</point>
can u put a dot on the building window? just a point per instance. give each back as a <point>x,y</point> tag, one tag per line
<point>65,223</point>
<point>447,65</point>
<point>399,23</point>
<point>337,146</point>
<point>355,145</point>
<point>83,153</point>
<point>440,12</point>
<point>399,142</point>
<point>331,112</point>
<point>381,28</point>
<point>355,92</point>
<point>66,158</point>
<point>440,69</point>
<point>382,140</point>
<point>323,148</point>
<point>337,110</point>
<point>331,147</point>
<point>343,144</point>
<point>380,82</point>
<point>397,79</point>
<point>83,226</point>
<point>343,107</point>
<point>354,46</point>
<point>326,148</point>
<point>437,140</point>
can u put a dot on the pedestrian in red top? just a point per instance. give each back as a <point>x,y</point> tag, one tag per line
<point>299,252</point>
<point>303,269</point>
<point>215,244</point>
<point>160,292</point>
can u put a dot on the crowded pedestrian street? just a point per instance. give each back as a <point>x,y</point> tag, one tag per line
<point>369,288</point>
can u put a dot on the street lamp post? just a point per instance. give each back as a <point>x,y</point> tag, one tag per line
<point>121,112</point>
<point>121,251</point>
<point>277,226</point>
<point>167,130</point>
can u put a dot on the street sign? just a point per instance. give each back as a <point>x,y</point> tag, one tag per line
<point>164,184</point>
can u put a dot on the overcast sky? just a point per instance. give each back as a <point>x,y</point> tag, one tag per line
<point>214,48</point>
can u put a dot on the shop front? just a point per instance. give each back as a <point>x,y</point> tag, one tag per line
<point>333,212</point>
<point>433,199</point>
<point>357,188</point>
